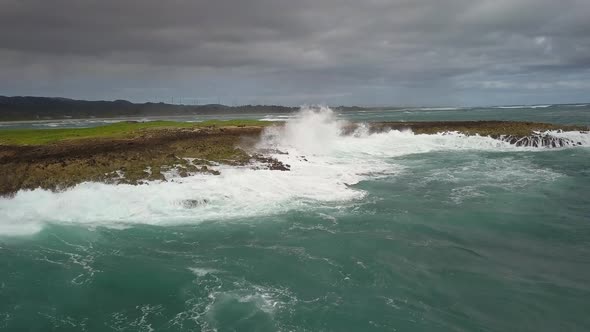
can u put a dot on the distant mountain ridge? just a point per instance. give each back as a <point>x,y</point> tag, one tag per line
<point>42,108</point>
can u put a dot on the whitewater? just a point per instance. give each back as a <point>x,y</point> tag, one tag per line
<point>325,164</point>
<point>367,231</point>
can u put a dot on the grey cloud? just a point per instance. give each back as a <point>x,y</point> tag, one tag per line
<point>363,52</point>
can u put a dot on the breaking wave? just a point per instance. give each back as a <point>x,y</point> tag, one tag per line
<point>324,166</point>
<point>524,106</point>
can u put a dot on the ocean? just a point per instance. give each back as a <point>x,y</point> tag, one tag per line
<point>369,232</point>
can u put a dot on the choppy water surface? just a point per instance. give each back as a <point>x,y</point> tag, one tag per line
<point>383,232</point>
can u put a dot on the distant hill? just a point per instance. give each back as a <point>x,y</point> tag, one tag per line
<point>41,108</point>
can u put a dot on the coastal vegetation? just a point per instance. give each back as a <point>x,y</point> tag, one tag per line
<point>124,152</point>
<point>125,129</point>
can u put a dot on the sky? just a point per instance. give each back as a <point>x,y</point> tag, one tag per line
<point>294,52</point>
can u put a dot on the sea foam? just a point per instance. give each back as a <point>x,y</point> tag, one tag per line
<point>324,166</point>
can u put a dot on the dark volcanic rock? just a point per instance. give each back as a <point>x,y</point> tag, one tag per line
<point>271,163</point>
<point>194,203</point>
<point>539,140</point>
<point>526,134</point>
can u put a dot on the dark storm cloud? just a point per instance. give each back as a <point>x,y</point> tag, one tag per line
<point>364,52</point>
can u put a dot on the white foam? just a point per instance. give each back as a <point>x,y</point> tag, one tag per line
<point>523,106</point>
<point>575,136</point>
<point>201,271</point>
<point>276,118</point>
<point>323,166</point>
<point>438,108</point>
<point>271,119</point>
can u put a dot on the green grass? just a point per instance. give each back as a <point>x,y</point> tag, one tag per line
<point>116,130</point>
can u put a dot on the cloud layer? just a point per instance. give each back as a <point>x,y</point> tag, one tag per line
<point>424,52</point>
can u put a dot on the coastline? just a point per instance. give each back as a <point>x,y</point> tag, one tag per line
<point>132,158</point>
<point>136,153</point>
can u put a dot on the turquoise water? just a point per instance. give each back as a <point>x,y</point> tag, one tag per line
<point>388,232</point>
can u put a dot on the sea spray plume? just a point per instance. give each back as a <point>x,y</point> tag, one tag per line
<point>313,130</point>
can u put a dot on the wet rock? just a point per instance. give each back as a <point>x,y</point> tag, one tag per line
<point>539,140</point>
<point>205,169</point>
<point>194,203</point>
<point>279,166</point>
<point>272,163</point>
<point>273,151</point>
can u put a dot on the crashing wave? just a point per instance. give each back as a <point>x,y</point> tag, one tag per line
<point>537,139</point>
<point>325,161</point>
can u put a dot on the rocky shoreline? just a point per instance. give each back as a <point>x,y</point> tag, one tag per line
<point>134,160</point>
<point>185,151</point>
<point>525,134</point>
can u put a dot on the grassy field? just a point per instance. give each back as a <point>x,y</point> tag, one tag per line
<point>116,130</point>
